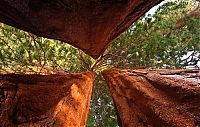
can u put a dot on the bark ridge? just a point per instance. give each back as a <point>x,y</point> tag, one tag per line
<point>162,98</point>
<point>45,100</point>
<point>89,25</point>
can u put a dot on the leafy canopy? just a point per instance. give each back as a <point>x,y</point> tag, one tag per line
<point>156,41</point>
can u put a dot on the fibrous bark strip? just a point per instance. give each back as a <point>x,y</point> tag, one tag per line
<point>46,100</point>
<point>155,98</point>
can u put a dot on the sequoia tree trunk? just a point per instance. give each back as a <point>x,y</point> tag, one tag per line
<point>45,100</point>
<point>145,98</point>
<point>90,25</point>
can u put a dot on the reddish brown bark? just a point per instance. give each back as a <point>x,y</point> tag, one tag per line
<point>155,98</point>
<point>87,24</point>
<point>186,19</point>
<point>46,100</point>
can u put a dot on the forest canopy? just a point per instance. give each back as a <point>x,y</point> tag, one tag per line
<point>156,40</point>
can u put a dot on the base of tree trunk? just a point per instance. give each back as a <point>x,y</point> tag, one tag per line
<point>145,98</point>
<point>45,100</point>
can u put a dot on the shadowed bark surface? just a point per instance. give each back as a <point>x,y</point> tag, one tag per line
<point>45,100</point>
<point>86,24</point>
<point>162,98</point>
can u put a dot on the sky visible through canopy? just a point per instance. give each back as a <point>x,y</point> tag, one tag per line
<point>152,11</point>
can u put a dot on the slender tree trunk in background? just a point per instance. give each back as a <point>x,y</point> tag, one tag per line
<point>195,13</point>
<point>46,100</point>
<point>164,98</point>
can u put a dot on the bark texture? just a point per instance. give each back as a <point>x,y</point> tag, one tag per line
<point>45,100</point>
<point>195,13</point>
<point>86,24</point>
<point>145,98</point>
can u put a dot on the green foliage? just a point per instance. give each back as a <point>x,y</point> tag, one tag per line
<point>102,106</point>
<point>20,50</point>
<point>149,42</point>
